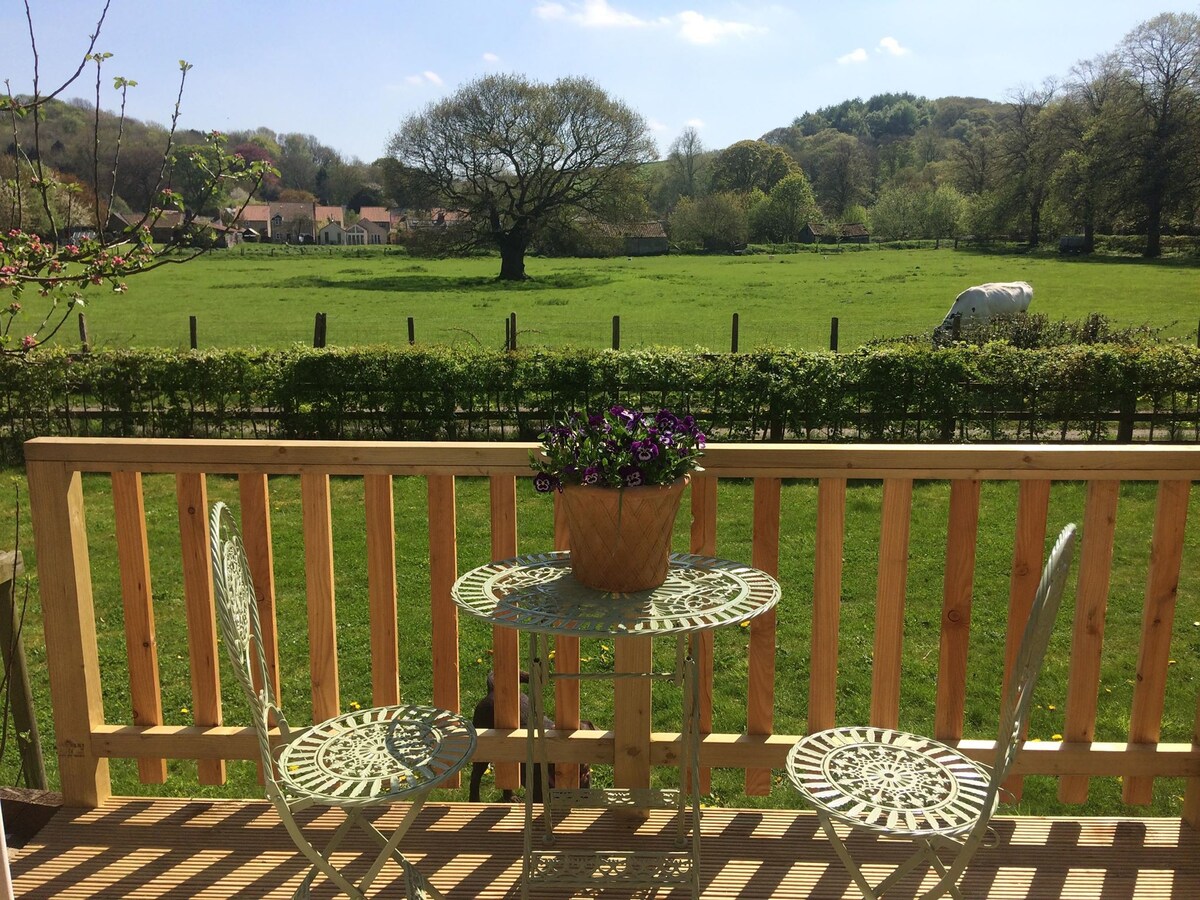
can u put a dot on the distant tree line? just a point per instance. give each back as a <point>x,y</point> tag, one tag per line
<point>1113,148</point>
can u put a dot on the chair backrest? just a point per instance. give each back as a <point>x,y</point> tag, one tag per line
<point>1014,713</point>
<point>237,618</point>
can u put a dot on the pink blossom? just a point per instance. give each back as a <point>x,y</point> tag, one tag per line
<point>28,341</point>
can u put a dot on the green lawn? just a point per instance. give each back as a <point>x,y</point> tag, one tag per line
<point>257,297</point>
<point>930,509</point>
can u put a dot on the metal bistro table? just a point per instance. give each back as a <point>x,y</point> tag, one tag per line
<point>536,594</point>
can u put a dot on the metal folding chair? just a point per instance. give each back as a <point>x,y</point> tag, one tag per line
<point>902,785</point>
<point>356,761</point>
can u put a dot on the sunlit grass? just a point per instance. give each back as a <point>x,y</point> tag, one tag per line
<point>268,299</point>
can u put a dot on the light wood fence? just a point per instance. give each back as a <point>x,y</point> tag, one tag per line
<point>85,741</point>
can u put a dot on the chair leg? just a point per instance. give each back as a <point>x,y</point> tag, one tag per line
<point>926,853</point>
<point>416,887</point>
<point>843,853</point>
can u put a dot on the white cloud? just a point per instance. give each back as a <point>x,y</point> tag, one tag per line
<point>550,11</point>
<point>892,46</point>
<point>655,125</point>
<point>695,123</point>
<point>855,56</point>
<point>696,28</point>
<point>491,58</point>
<point>426,77</point>
<point>590,14</point>
<point>693,27</point>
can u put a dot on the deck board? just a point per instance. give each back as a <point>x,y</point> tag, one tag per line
<point>170,848</point>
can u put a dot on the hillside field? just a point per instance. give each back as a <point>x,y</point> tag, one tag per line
<point>267,297</point>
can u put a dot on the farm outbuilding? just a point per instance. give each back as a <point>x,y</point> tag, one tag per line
<point>646,239</point>
<point>847,233</point>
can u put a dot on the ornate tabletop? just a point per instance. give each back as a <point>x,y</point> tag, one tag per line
<point>537,593</point>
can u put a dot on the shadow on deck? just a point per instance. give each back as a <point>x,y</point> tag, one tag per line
<point>222,848</point>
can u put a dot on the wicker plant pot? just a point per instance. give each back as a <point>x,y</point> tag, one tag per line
<point>621,537</point>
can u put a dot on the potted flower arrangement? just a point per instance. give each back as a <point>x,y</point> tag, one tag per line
<point>622,474</point>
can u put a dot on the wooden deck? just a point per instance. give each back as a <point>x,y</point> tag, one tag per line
<point>143,848</point>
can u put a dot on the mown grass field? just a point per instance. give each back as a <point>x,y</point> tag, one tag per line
<point>930,511</point>
<point>267,297</point>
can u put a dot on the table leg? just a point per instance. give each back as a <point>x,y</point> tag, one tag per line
<point>631,716</point>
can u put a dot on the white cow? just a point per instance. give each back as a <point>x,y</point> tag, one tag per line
<point>979,304</point>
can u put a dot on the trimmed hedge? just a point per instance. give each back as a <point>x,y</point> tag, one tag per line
<point>993,392</point>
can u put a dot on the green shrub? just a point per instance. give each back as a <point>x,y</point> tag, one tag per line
<point>895,392</point>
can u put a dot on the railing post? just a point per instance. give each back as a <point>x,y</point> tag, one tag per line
<point>72,659</point>
<point>25,732</point>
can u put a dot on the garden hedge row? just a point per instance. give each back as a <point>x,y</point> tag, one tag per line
<point>993,392</point>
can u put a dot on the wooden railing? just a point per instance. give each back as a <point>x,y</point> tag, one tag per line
<point>85,741</point>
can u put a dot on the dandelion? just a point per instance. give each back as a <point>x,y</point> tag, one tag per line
<point>354,704</point>
<point>1056,737</point>
<point>1052,707</point>
<point>184,710</point>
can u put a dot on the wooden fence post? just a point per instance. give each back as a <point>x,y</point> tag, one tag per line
<point>833,334</point>
<point>192,332</point>
<point>733,343</point>
<point>512,331</point>
<point>319,330</point>
<point>616,336</point>
<point>20,696</point>
<point>412,331</point>
<point>85,346</point>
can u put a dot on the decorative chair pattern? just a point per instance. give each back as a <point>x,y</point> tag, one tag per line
<point>903,785</point>
<point>362,759</point>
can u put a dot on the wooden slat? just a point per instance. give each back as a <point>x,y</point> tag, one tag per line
<point>631,716</point>
<point>1033,506</point>
<point>1191,793</point>
<point>254,496</point>
<point>704,542</point>
<point>1087,633</point>
<point>732,460</point>
<point>827,601</point>
<point>506,659</point>
<point>895,520</point>
<point>191,494</point>
<point>1162,588</point>
<point>381,588</point>
<point>318,575</point>
<point>724,750</point>
<point>956,609</point>
<point>141,643</point>
<point>69,619</point>
<point>443,570</point>
<point>760,698</point>
<point>566,656</point>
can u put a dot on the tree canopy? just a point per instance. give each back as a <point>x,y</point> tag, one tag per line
<point>513,154</point>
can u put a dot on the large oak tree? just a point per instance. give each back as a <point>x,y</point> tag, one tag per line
<point>515,154</point>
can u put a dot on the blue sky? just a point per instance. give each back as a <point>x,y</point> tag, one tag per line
<point>349,73</point>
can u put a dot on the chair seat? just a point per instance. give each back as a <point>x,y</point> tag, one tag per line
<point>889,782</point>
<point>375,756</point>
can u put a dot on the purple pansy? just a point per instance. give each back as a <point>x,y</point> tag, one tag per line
<point>617,447</point>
